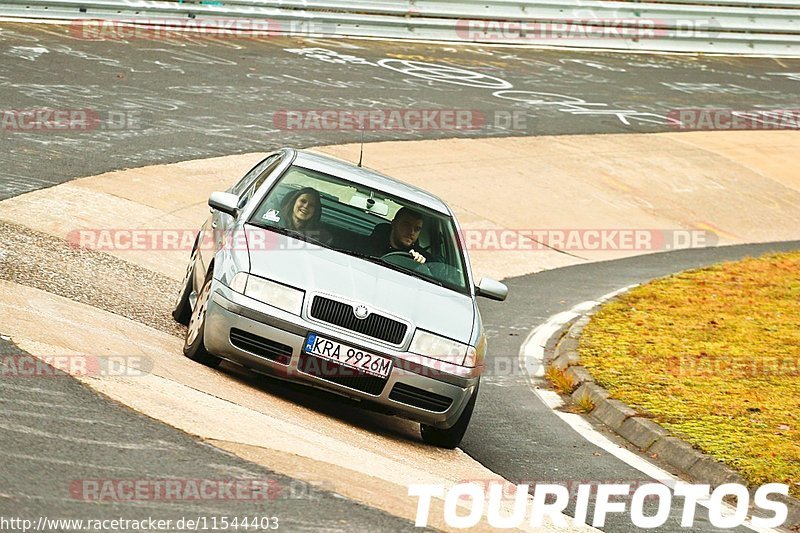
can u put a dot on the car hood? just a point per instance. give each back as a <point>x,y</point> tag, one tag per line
<point>317,269</point>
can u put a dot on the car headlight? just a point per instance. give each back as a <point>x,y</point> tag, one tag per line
<point>441,348</point>
<point>239,282</point>
<point>269,292</point>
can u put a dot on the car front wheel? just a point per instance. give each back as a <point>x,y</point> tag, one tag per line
<point>450,437</point>
<point>183,309</point>
<point>194,347</point>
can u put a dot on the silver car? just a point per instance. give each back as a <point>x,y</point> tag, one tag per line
<point>325,273</point>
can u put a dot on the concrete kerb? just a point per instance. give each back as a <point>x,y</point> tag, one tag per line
<point>639,430</point>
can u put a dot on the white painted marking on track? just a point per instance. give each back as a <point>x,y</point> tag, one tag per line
<point>171,505</point>
<point>31,389</point>
<point>38,404</point>
<point>55,461</point>
<point>550,398</point>
<point>532,360</point>
<point>30,53</point>
<point>532,353</point>
<point>57,417</point>
<point>152,445</point>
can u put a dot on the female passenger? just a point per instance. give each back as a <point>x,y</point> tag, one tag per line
<point>301,211</point>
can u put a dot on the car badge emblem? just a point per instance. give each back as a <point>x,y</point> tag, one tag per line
<point>361,312</point>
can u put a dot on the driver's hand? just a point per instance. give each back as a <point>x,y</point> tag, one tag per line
<point>418,257</point>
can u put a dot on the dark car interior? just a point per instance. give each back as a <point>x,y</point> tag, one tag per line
<point>358,230</point>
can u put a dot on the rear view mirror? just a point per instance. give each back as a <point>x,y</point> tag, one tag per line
<point>369,204</point>
<point>224,202</point>
<point>494,290</point>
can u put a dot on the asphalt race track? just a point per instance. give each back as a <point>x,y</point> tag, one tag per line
<point>169,101</point>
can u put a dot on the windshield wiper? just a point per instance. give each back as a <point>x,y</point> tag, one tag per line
<point>357,254</point>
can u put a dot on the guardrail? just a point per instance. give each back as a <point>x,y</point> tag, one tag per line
<point>762,27</point>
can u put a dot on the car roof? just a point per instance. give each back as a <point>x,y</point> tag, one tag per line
<point>368,178</point>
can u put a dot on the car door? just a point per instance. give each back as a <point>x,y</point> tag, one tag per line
<point>218,224</point>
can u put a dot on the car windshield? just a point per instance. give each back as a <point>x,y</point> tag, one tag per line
<point>363,222</point>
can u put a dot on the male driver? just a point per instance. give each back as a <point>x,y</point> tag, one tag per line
<point>406,227</point>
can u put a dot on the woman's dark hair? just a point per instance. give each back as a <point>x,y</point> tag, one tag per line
<point>287,206</point>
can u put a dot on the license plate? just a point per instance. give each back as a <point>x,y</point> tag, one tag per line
<point>348,356</point>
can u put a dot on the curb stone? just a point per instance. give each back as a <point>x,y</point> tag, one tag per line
<point>595,392</point>
<point>643,432</point>
<point>676,453</point>
<point>613,413</point>
<point>579,374</point>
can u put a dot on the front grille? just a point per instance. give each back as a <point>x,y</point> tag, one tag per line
<point>274,351</point>
<point>420,398</point>
<point>339,374</point>
<point>341,314</point>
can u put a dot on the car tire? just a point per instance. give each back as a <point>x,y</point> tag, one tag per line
<point>450,437</point>
<point>194,346</point>
<point>183,309</point>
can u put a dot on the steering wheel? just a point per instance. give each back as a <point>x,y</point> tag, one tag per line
<point>397,253</point>
<point>408,258</point>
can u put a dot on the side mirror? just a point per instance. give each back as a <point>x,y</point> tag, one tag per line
<point>494,290</point>
<point>224,202</point>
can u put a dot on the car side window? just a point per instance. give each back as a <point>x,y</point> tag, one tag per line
<point>242,184</point>
<point>262,172</point>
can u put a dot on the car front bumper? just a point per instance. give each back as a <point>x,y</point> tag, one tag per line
<point>267,339</point>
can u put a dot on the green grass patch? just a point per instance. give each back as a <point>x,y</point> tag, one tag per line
<point>713,355</point>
